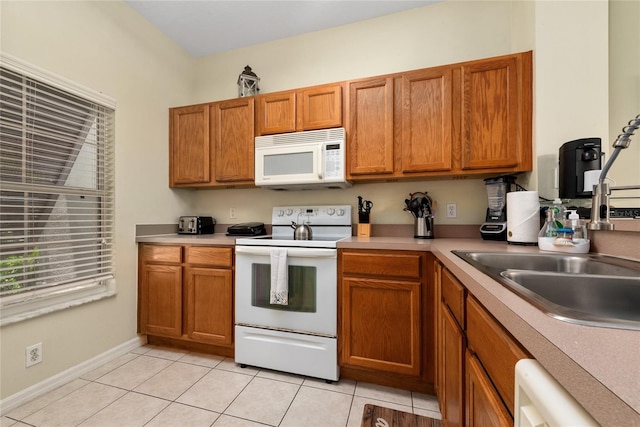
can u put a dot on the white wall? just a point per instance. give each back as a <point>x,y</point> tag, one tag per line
<point>624,73</point>
<point>571,80</point>
<point>106,47</point>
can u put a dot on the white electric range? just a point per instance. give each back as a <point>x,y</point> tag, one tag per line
<point>299,336</point>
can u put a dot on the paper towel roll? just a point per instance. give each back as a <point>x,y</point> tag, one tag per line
<point>523,217</point>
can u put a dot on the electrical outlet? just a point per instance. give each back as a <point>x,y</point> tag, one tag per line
<point>232,213</point>
<point>452,210</point>
<point>33,354</point>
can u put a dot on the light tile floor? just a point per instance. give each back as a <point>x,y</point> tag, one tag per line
<point>156,386</point>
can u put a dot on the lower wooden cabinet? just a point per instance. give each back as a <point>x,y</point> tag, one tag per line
<point>476,359</point>
<point>484,407</point>
<point>386,322</point>
<point>209,305</point>
<point>186,292</point>
<point>160,299</point>
<point>452,347</point>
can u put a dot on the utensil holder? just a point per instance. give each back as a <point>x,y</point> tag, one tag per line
<point>364,230</point>
<point>423,228</point>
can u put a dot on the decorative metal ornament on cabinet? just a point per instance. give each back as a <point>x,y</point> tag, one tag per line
<point>248,83</point>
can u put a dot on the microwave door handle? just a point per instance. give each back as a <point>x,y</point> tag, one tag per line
<point>320,162</point>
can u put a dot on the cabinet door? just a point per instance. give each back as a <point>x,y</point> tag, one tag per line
<point>189,145</point>
<point>319,108</point>
<point>496,114</point>
<point>381,325</point>
<point>370,127</point>
<point>495,348</point>
<point>161,300</point>
<point>232,136</point>
<point>451,348</point>
<point>209,305</point>
<point>483,404</point>
<point>427,125</point>
<point>276,113</point>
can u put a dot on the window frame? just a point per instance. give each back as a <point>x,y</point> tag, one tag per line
<point>36,302</point>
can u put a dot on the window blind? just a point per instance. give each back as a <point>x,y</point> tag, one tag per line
<point>56,188</point>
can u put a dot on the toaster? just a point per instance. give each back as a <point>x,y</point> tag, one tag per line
<point>196,225</point>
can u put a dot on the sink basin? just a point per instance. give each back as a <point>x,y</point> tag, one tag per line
<point>558,263</point>
<point>591,289</point>
<point>612,301</point>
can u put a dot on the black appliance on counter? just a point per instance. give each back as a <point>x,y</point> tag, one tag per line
<point>247,229</point>
<point>576,158</point>
<point>495,225</point>
<point>196,224</point>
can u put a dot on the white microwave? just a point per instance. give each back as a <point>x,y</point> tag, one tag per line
<point>301,160</point>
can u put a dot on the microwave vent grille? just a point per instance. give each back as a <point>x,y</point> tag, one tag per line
<point>306,137</point>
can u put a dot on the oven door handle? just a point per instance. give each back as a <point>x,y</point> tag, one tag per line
<point>291,252</point>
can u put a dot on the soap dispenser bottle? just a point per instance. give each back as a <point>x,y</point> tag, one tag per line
<point>559,210</point>
<point>550,228</point>
<point>578,227</point>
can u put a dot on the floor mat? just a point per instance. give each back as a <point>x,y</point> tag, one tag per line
<point>377,416</point>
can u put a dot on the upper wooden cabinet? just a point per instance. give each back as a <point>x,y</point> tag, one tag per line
<point>189,145</point>
<point>496,114</point>
<point>462,119</point>
<point>317,107</point>
<point>232,136</point>
<point>467,119</point>
<point>427,121</point>
<point>212,144</point>
<point>370,142</point>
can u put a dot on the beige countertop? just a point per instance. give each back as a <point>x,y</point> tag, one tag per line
<point>600,367</point>
<point>189,239</point>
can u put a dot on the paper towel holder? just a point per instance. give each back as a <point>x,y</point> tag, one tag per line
<point>523,218</point>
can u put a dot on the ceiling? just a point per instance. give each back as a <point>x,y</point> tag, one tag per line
<point>207,27</point>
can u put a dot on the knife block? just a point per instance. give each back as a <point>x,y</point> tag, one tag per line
<point>364,230</point>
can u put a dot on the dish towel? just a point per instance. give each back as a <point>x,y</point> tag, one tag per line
<point>279,277</point>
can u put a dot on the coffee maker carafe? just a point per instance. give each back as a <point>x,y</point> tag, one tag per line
<point>495,225</point>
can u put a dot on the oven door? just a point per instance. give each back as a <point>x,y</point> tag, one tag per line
<point>312,287</point>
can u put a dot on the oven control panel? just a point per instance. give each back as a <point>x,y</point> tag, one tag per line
<point>317,215</point>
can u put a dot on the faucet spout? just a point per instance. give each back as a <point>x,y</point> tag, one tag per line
<point>601,191</point>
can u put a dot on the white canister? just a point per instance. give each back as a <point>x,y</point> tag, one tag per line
<point>523,217</point>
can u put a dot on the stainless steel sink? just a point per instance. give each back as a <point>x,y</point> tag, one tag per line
<point>558,263</point>
<point>585,289</point>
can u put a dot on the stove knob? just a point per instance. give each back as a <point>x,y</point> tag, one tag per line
<point>340,212</point>
<point>280,212</point>
<point>289,212</point>
<point>331,211</point>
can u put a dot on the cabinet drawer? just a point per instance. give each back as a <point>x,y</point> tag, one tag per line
<point>212,256</point>
<point>400,265</point>
<point>162,253</point>
<point>497,350</point>
<point>453,295</point>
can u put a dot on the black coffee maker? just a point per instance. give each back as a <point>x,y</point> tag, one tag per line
<point>576,158</point>
<point>495,225</point>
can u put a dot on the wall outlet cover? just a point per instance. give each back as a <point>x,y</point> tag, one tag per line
<point>33,354</point>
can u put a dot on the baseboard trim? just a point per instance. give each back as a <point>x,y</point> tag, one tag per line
<point>51,383</point>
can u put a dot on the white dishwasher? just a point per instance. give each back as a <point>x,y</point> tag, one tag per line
<point>542,402</point>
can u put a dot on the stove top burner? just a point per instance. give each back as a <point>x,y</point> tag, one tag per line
<point>329,225</point>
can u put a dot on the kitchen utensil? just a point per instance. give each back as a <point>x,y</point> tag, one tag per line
<point>301,231</point>
<point>364,209</point>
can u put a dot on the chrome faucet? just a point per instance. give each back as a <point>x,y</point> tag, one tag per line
<point>601,191</point>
